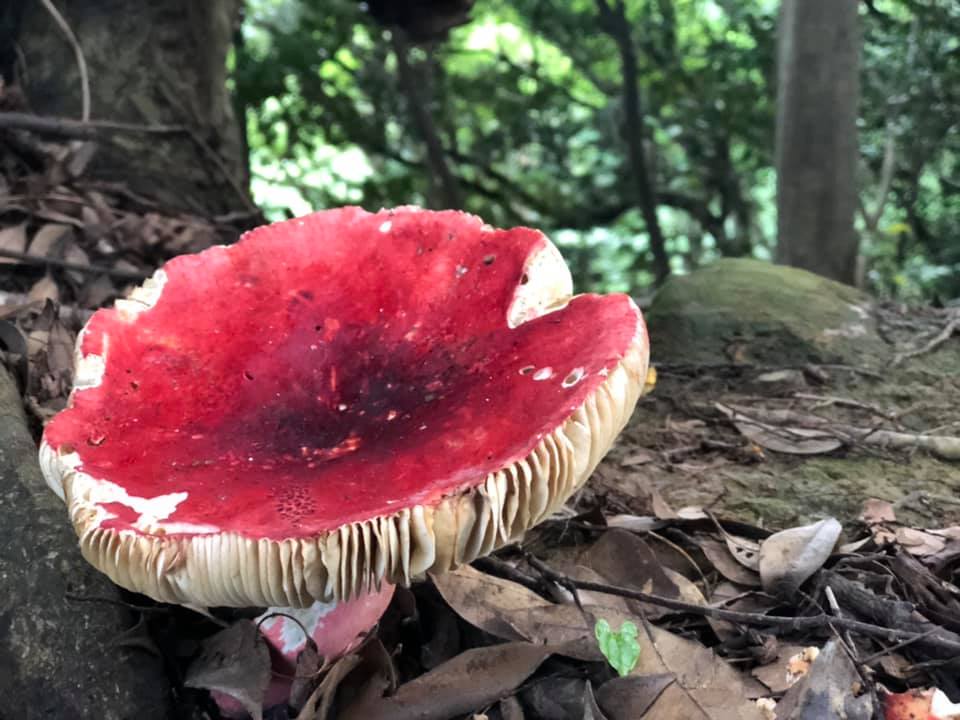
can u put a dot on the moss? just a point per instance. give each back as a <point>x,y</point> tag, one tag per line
<point>752,311</point>
<point>787,492</point>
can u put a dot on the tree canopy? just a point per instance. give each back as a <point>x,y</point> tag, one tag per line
<point>639,134</point>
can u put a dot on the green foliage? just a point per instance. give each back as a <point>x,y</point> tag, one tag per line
<point>620,648</point>
<point>527,103</point>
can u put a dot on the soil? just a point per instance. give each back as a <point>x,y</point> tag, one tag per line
<point>763,336</point>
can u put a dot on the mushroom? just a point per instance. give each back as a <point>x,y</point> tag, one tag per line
<point>337,401</point>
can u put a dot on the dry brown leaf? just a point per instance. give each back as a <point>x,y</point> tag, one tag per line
<point>721,557</point>
<point>624,559</point>
<point>76,256</point>
<point>469,682</point>
<point>13,239</point>
<point>640,457</point>
<point>789,557</point>
<point>44,289</point>
<point>486,601</point>
<point>235,662</point>
<point>661,508</point>
<point>829,691</point>
<point>780,674</point>
<point>628,698</point>
<point>783,439</point>
<point>877,511</point>
<point>920,542</point>
<point>695,666</point>
<point>46,240</point>
<point>96,291</point>
<point>713,703</point>
<point>510,709</point>
<point>744,551</point>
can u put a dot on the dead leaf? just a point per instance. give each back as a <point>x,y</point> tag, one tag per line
<point>235,662</point>
<point>306,675</point>
<point>486,601</point>
<point>317,706</point>
<point>13,239</point>
<point>76,256</point>
<point>661,508</point>
<point>510,709</point>
<point>96,291</point>
<point>47,238</point>
<point>721,557</point>
<point>920,542</point>
<point>693,665</point>
<point>744,551</point>
<point>713,703</point>
<point>789,557</point>
<point>831,690</point>
<point>780,675</point>
<point>467,683</point>
<point>591,709</point>
<point>44,289</point>
<point>628,698</point>
<point>626,560</point>
<point>640,457</point>
<point>877,511</point>
<point>783,439</point>
<point>556,697</point>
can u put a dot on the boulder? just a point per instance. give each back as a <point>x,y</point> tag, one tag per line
<point>754,312</point>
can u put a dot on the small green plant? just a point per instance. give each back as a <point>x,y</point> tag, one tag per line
<point>620,648</point>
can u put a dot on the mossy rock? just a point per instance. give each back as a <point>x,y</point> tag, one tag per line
<point>749,311</point>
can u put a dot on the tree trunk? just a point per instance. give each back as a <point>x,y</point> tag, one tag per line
<point>62,624</point>
<point>147,63</point>
<point>614,21</point>
<point>817,97</point>
<point>444,185</point>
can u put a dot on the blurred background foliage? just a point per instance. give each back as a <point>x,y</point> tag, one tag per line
<point>518,116</point>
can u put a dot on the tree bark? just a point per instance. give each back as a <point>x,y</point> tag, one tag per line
<point>615,24</point>
<point>816,139</point>
<point>149,63</point>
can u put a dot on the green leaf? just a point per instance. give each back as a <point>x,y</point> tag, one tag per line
<point>620,648</point>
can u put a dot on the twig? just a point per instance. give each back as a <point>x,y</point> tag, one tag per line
<point>945,334</point>
<point>81,129</point>
<point>78,52</point>
<point>782,623</point>
<point>846,402</point>
<point>944,447</point>
<point>28,259</point>
<point>899,646</point>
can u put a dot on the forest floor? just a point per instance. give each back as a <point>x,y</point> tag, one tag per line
<point>782,538</point>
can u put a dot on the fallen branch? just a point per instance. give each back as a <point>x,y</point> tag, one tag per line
<point>948,330</point>
<point>945,447</point>
<point>943,640</point>
<point>80,130</point>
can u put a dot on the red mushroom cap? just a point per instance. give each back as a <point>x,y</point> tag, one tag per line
<point>335,400</point>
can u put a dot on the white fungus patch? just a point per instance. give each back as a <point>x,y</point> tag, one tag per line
<point>544,373</point>
<point>291,633</point>
<point>545,286</point>
<point>575,376</point>
<point>142,298</point>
